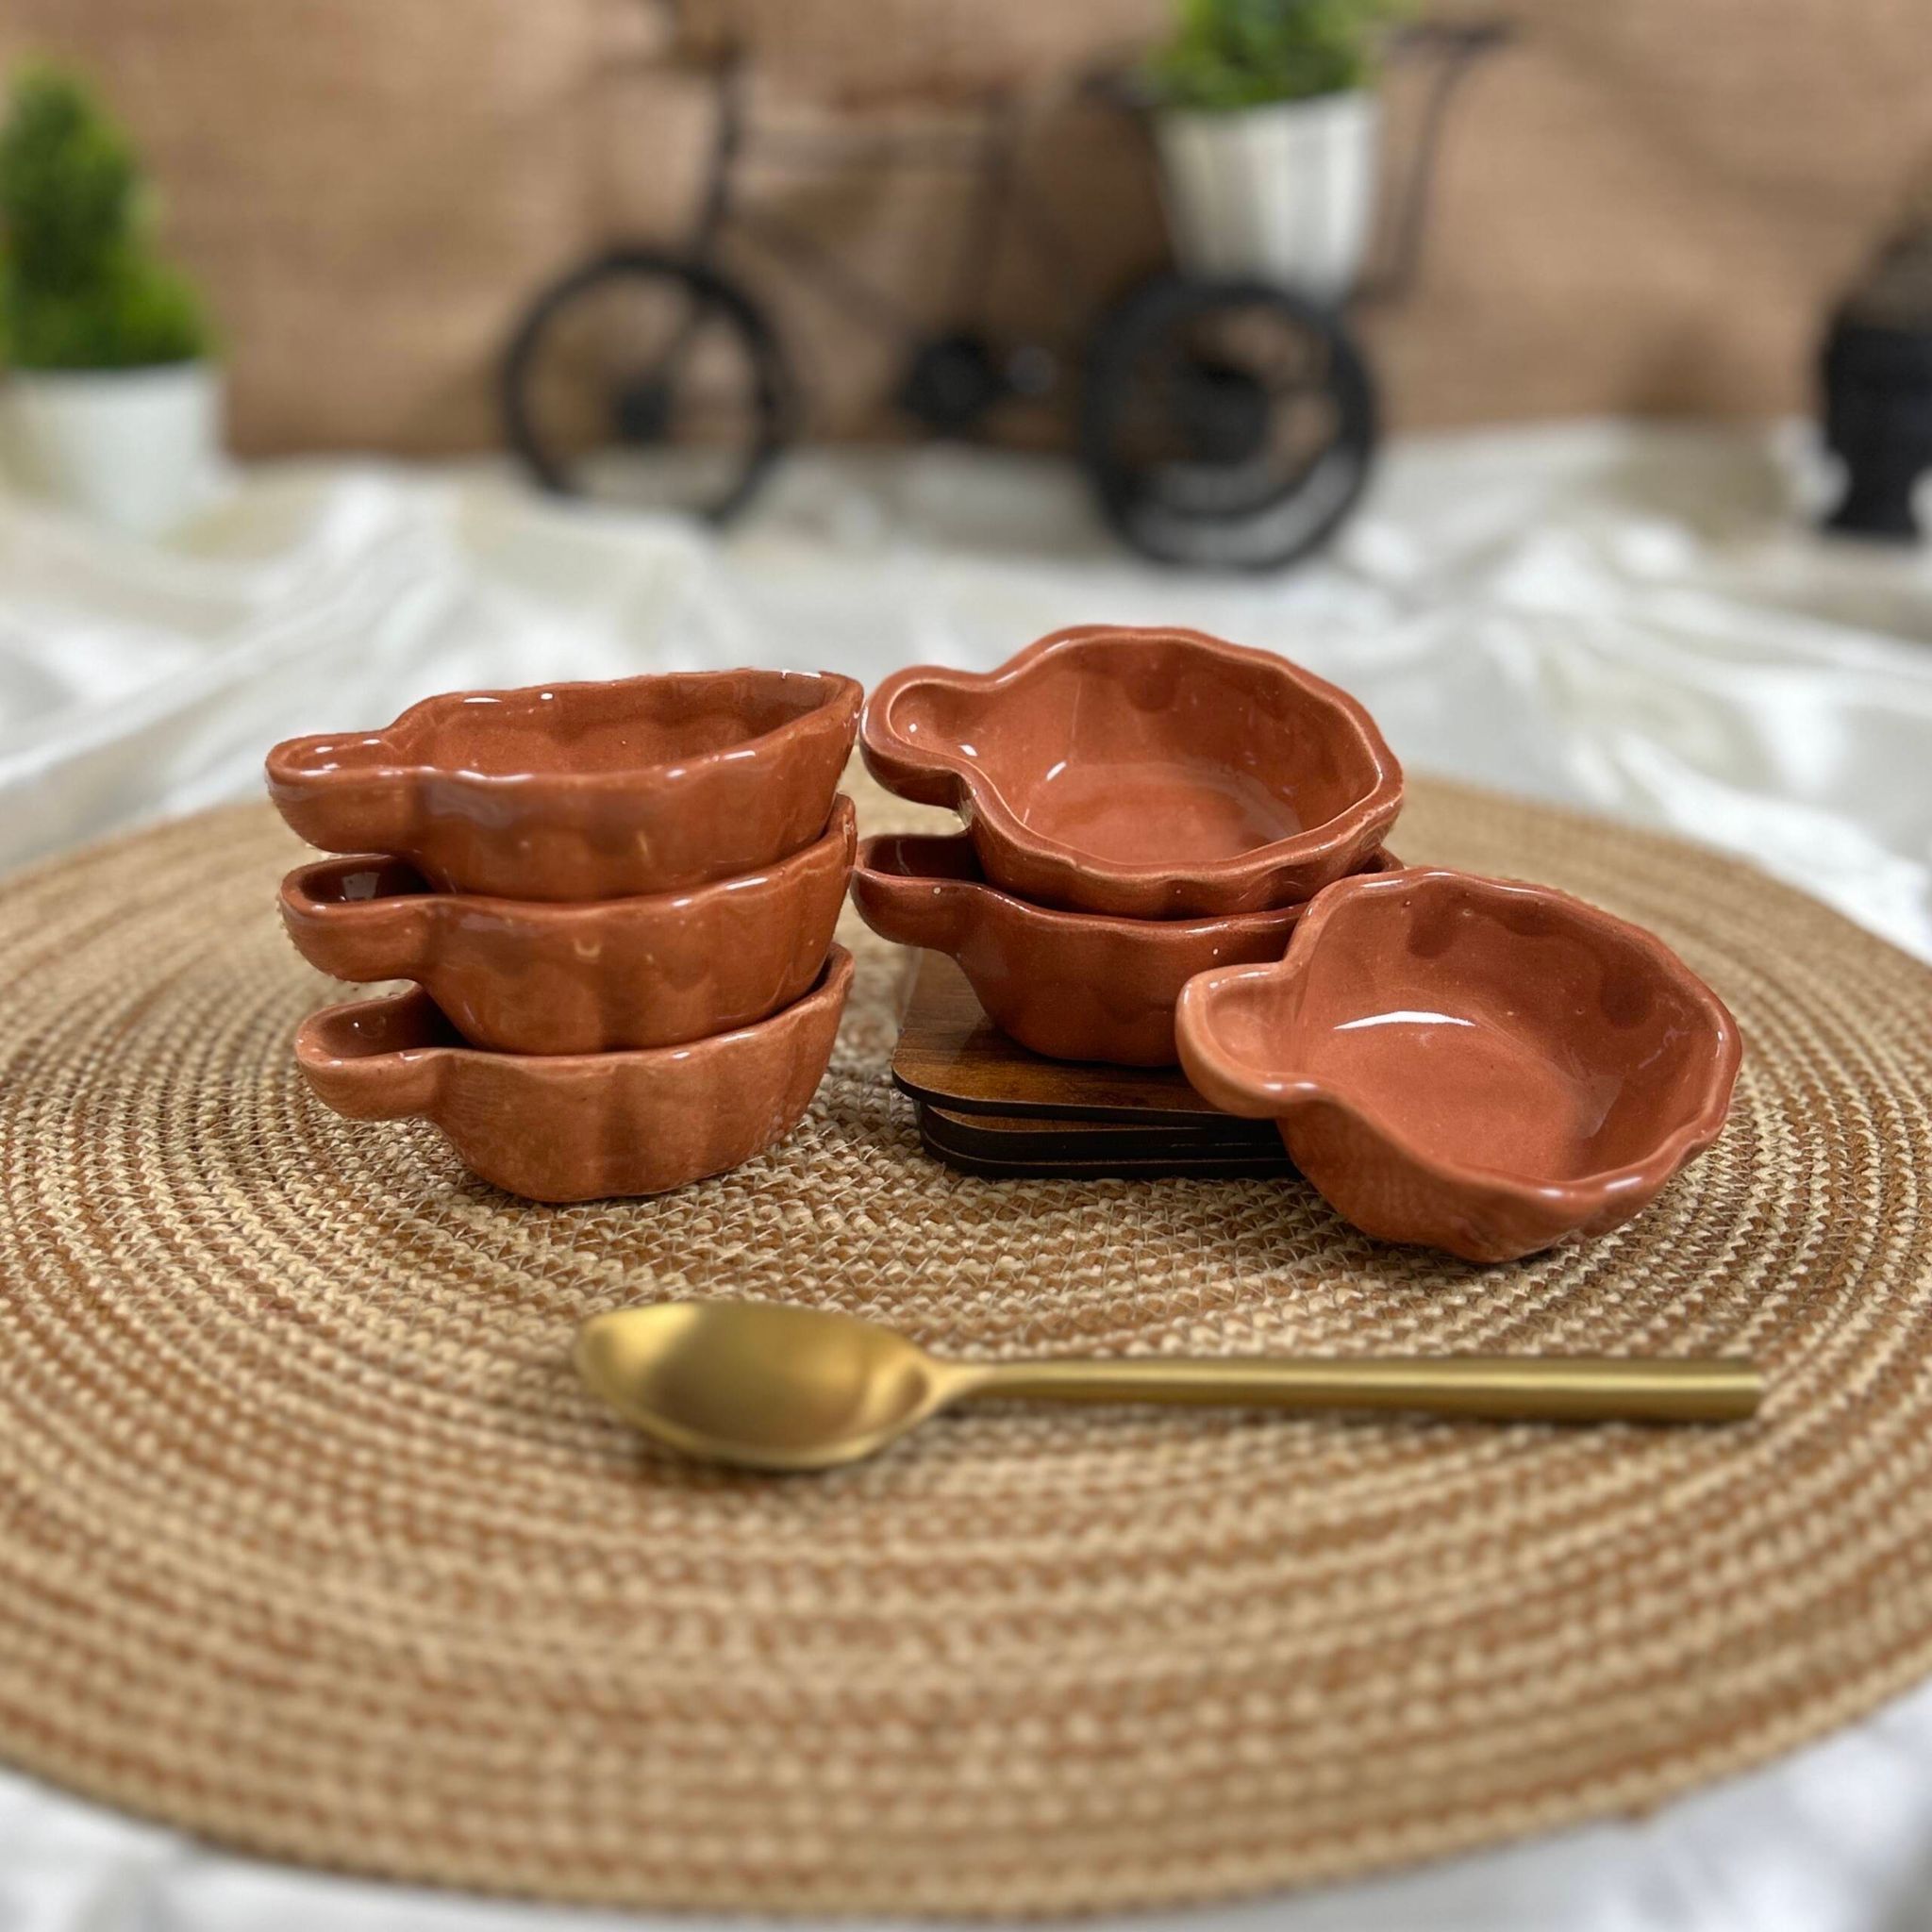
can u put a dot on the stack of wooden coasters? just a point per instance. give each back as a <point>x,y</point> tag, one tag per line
<point>987,1106</point>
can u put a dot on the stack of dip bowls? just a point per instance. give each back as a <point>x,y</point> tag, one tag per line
<point>1173,849</point>
<point>1139,806</point>
<point>616,902</point>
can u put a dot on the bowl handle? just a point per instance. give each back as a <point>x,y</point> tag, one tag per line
<point>387,936</point>
<point>933,913</point>
<point>360,806</point>
<point>1208,1003</point>
<point>891,761</point>
<point>368,1086</point>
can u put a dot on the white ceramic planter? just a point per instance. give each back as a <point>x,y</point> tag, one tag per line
<point>1285,192</point>
<point>137,449</point>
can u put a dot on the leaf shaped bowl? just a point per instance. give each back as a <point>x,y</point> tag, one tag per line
<point>523,975</point>
<point>582,790</point>
<point>579,1127</point>
<point>1145,774</point>
<point>1471,1064</point>
<point>1074,986</point>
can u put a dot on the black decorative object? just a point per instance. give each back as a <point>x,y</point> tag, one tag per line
<point>1220,423</point>
<point>1877,368</point>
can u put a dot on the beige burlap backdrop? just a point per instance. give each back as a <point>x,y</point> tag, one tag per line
<point>1644,206</point>
<point>310,1541</point>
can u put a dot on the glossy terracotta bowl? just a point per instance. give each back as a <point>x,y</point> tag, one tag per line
<point>1144,774</point>
<point>1074,986</point>
<point>525,975</point>
<point>1468,1063</point>
<point>578,1126</point>
<point>582,790</point>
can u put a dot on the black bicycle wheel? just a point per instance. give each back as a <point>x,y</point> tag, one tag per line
<point>645,380</point>
<point>1225,425</point>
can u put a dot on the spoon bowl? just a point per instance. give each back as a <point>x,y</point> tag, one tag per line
<point>758,1384</point>
<point>766,1386</point>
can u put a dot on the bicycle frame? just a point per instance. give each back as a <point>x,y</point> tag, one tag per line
<point>957,368</point>
<point>1452,50</point>
<point>992,151</point>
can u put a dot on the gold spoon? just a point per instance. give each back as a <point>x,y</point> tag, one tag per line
<point>767,1385</point>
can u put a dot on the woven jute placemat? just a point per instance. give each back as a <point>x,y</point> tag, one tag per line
<point>310,1541</point>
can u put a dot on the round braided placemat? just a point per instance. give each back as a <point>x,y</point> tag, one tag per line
<point>310,1541</point>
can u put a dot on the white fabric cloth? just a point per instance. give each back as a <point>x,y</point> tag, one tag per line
<point>1633,620</point>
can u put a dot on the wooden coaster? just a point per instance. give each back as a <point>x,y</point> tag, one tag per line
<point>1033,1147</point>
<point>987,1106</point>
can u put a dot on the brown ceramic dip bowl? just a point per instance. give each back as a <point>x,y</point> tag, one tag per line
<point>1471,1064</point>
<point>1074,986</point>
<point>526,975</point>
<point>1145,774</point>
<point>582,790</point>
<point>578,1126</point>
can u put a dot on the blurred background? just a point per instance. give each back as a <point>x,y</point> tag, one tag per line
<point>1646,208</point>
<point>1500,363</point>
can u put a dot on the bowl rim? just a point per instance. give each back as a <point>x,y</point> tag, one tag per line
<point>840,837</point>
<point>1187,927</point>
<point>967,782</point>
<point>1581,1196</point>
<point>839,693</point>
<point>832,982</point>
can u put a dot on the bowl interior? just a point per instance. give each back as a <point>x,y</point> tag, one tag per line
<point>356,881</point>
<point>923,856</point>
<point>604,727</point>
<point>582,728</point>
<point>1506,1030</point>
<point>1149,751</point>
<point>403,1022</point>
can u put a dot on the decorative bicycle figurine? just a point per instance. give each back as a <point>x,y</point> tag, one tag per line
<point>1224,419</point>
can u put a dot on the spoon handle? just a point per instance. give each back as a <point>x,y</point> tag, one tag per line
<point>1570,1388</point>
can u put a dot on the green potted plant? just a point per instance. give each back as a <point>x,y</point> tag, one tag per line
<point>1268,125</point>
<point>110,401</point>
